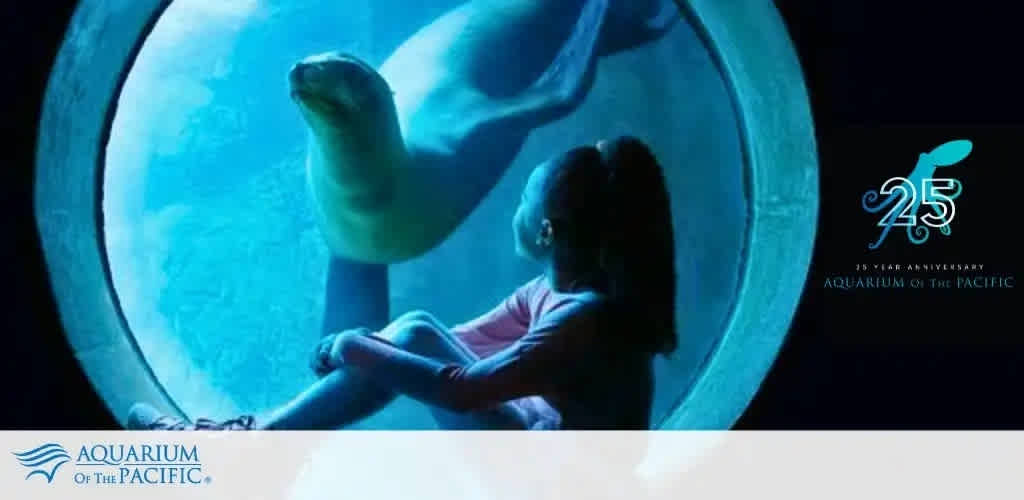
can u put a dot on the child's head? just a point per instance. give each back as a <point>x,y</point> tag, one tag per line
<point>605,209</point>
<point>552,218</point>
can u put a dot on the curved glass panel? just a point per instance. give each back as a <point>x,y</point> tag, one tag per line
<point>213,248</point>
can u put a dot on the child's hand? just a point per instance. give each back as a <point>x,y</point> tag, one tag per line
<point>335,350</point>
<point>325,358</point>
<point>320,363</point>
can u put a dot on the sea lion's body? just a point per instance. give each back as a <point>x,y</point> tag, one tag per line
<point>393,177</point>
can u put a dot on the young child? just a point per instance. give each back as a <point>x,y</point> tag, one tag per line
<point>571,349</point>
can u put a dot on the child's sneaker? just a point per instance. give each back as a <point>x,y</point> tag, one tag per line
<point>144,417</point>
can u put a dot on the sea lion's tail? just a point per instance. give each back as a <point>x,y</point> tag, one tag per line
<point>632,23</point>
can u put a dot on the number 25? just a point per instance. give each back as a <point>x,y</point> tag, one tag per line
<point>903,213</point>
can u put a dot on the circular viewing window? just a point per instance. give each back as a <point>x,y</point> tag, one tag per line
<point>190,271</point>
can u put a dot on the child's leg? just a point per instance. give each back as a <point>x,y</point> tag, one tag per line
<point>344,397</point>
<point>438,342</point>
<point>336,400</point>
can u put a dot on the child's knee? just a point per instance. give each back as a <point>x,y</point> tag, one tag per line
<point>415,333</point>
<point>419,316</point>
<point>413,316</point>
<point>421,333</point>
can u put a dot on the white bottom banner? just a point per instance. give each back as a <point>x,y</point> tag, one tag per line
<point>436,465</point>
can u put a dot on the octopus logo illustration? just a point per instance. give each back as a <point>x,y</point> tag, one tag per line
<point>44,460</point>
<point>904,196</point>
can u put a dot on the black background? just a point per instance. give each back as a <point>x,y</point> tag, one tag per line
<point>888,80</point>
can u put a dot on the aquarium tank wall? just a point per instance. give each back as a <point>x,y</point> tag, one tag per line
<point>188,269</point>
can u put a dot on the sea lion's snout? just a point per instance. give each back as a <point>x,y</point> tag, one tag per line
<point>335,78</point>
<point>309,77</point>
<point>302,73</point>
<point>331,69</point>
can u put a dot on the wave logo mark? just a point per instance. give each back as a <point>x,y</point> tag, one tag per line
<point>44,460</point>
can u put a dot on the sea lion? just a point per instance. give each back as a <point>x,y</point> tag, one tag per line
<point>400,155</point>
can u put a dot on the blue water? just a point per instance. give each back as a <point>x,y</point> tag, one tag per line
<point>215,255</point>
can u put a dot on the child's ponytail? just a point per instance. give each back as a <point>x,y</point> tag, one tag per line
<point>639,250</point>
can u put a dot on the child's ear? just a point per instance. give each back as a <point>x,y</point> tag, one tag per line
<point>547,233</point>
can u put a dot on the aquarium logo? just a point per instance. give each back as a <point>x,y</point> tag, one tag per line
<point>147,464</point>
<point>44,460</point>
<point>110,464</point>
<point>905,196</point>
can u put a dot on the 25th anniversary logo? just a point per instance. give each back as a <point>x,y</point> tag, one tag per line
<point>918,204</point>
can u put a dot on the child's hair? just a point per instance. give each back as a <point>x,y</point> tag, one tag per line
<point>611,207</point>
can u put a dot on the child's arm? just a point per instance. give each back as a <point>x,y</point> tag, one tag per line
<point>506,322</point>
<point>528,367</point>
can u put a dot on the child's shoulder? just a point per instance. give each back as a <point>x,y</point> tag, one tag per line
<point>534,288</point>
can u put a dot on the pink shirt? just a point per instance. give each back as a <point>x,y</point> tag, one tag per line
<point>512,319</point>
<point>564,359</point>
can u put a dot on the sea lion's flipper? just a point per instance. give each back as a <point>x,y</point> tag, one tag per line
<point>570,74</point>
<point>632,23</point>
<point>558,90</point>
<point>356,295</point>
<point>486,132</point>
<point>603,27</point>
